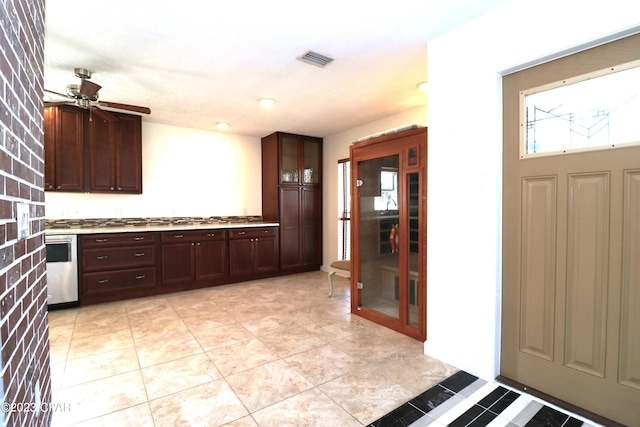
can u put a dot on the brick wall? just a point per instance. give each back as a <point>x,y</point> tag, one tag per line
<point>24,359</point>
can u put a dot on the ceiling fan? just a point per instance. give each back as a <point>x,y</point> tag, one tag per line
<point>85,95</point>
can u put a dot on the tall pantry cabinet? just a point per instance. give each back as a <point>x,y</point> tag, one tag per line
<point>292,196</point>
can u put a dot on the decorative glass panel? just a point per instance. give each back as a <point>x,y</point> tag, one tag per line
<point>594,111</point>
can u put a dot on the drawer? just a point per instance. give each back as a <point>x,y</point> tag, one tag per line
<point>112,258</point>
<point>118,239</point>
<point>243,233</point>
<point>192,235</point>
<point>95,283</point>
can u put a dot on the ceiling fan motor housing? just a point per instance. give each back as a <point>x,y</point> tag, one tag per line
<point>82,73</point>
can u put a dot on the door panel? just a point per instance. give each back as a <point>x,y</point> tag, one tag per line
<point>630,318</point>
<point>587,272</point>
<point>538,282</point>
<point>571,244</point>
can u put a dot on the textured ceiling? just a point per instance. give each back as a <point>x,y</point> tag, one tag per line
<point>196,62</point>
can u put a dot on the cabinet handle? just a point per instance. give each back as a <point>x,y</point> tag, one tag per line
<point>142,276</point>
<point>211,234</point>
<point>139,254</point>
<point>101,240</point>
<point>138,238</point>
<point>102,257</point>
<point>265,231</point>
<point>178,236</point>
<point>241,233</point>
<point>103,281</point>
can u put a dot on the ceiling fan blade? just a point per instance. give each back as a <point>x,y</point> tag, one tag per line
<point>103,114</point>
<point>89,89</point>
<point>119,106</point>
<point>56,93</point>
<point>54,103</point>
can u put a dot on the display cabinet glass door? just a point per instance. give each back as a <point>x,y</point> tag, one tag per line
<point>378,236</point>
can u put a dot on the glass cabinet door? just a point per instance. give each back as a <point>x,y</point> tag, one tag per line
<point>290,162</point>
<point>378,237</point>
<point>311,167</point>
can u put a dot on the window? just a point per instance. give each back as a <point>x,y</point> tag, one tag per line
<point>344,209</point>
<point>594,111</point>
<point>388,199</point>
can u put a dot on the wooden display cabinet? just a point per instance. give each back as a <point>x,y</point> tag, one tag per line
<point>388,252</point>
<point>292,196</point>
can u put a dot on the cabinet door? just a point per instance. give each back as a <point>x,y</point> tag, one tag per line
<point>241,257</point>
<point>65,143</point>
<point>178,263</point>
<point>102,144</point>
<point>265,255</point>
<point>128,162</point>
<point>289,159</point>
<point>311,160</point>
<point>290,233</point>
<point>211,260</point>
<point>311,219</point>
<point>49,148</point>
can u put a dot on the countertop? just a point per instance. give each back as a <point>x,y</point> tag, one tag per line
<point>155,227</point>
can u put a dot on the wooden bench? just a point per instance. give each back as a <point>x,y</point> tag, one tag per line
<point>342,268</point>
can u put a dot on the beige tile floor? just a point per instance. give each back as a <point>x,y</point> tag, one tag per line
<point>275,352</point>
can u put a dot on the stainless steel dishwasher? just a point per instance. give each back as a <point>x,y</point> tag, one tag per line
<point>62,270</point>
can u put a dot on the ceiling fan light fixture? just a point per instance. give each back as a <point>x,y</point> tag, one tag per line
<point>222,125</point>
<point>266,102</point>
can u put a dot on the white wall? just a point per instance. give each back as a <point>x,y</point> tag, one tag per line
<point>336,147</point>
<point>465,138</point>
<point>186,172</point>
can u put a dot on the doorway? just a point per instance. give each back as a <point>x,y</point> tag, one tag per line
<point>571,241</point>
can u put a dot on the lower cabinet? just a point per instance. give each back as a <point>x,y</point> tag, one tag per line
<point>193,259</point>
<point>117,266</point>
<point>253,252</point>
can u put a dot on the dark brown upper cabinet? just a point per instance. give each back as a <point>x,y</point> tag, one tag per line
<point>64,149</point>
<point>93,151</point>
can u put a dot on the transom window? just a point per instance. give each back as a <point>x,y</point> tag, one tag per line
<point>598,110</point>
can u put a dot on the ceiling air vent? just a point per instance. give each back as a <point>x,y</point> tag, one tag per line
<point>315,58</point>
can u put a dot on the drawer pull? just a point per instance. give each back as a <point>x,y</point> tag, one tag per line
<point>102,257</point>
<point>266,231</point>
<point>211,234</point>
<point>178,236</point>
<point>241,233</point>
<point>103,281</point>
<point>141,276</point>
<point>138,238</point>
<point>101,240</point>
<point>139,254</point>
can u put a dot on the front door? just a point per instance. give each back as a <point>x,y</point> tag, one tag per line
<point>571,260</point>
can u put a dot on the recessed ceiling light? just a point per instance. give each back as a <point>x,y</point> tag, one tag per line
<point>222,125</point>
<point>266,102</point>
<point>422,86</point>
